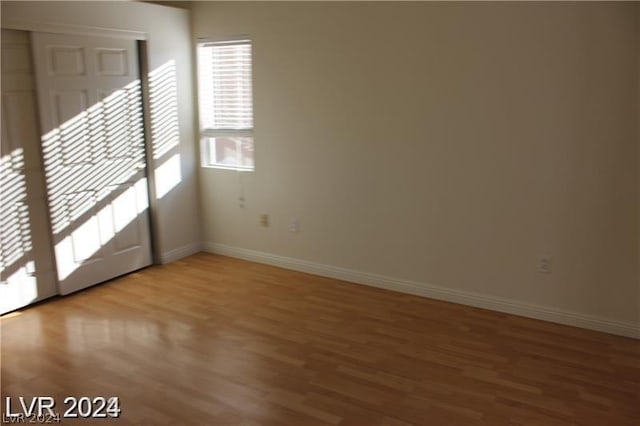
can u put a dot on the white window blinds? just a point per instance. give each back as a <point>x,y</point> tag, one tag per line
<point>225,89</point>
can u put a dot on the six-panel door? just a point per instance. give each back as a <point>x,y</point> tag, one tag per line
<point>90,103</point>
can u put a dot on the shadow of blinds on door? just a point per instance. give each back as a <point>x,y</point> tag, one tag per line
<point>26,264</point>
<point>89,97</point>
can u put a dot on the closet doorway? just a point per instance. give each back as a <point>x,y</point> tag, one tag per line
<point>90,146</point>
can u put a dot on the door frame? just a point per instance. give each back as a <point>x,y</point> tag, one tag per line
<point>141,39</point>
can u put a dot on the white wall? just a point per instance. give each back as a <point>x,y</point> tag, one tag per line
<point>441,149</point>
<point>168,36</point>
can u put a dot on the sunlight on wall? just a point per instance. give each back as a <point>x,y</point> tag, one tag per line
<point>164,109</point>
<point>164,127</point>
<point>168,175</point>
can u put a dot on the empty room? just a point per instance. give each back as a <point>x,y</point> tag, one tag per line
<point>320,213</point>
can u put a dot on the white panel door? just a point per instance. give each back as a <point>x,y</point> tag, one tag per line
<point>89,96</point>
<point>26,264</point>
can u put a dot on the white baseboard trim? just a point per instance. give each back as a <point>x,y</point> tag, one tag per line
<point>621,328</point>
<point>180,252</point>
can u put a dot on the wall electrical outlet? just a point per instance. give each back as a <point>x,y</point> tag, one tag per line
<point>264,220</point>
<point>544,264</point>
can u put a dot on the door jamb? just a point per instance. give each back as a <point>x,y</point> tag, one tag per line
<point>143,66</point>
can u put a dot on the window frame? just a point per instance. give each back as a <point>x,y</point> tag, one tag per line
<point>206,133</point>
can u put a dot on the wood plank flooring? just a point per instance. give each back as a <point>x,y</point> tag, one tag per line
<point>220,341</point>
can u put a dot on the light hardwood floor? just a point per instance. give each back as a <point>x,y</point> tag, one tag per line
<point>219,341</point>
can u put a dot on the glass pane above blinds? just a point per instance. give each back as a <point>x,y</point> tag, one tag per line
<point>226,101</point>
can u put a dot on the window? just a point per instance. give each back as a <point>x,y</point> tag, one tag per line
<point>226,104</point>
